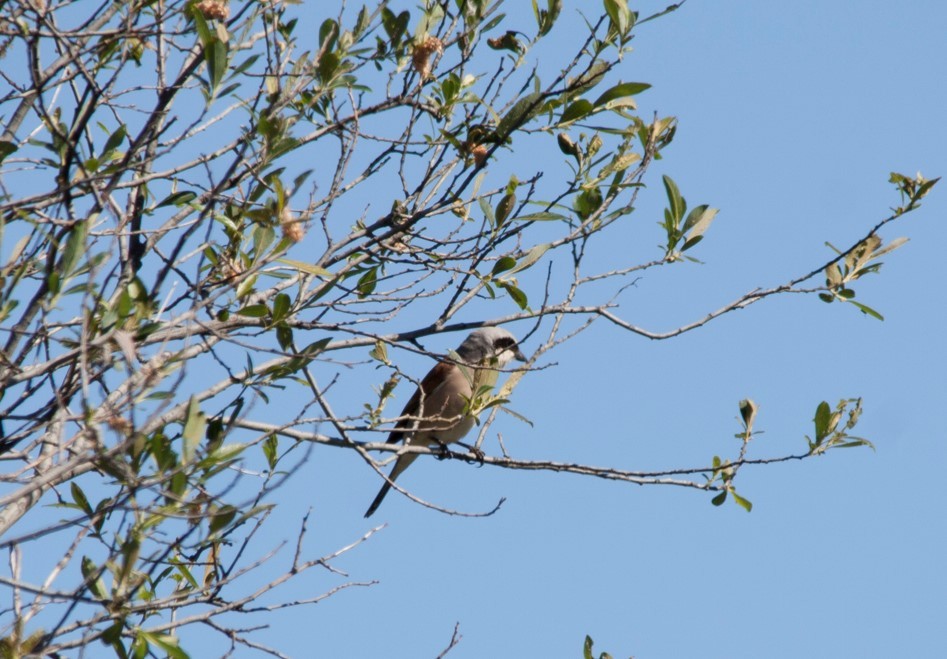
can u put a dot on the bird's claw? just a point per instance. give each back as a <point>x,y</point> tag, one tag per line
<point>479,454</point>
<point>442,453</point>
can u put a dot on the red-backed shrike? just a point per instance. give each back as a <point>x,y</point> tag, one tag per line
<point>439,412</point>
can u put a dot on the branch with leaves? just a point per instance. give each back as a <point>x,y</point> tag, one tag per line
<point>201,215</point>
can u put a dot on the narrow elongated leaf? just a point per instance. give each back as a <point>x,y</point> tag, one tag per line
<point>744,503</point>
<point>177,198</point>
<point>270,447</point>
<point>254,311</point>
<point>90,572</point>
<point>281,305</point>
<point>522,111</point>
<point>577,110</point>
<point>114,140</point>
<point>217,61</point>
<point>504,264</point>
<point>504,208</point>
<point>890,247</point>
<point>823,414</point>
<point>531,257</point>
<point>543,216</point>
<point>308,268</point>
<point>79,497</point>
<point>867,310</point>
<point>699,219</point>
<point>222,518</point>
<point>194,426</point>
<point>621,90</point>
<point>75,247</point>
<point>678,206</point>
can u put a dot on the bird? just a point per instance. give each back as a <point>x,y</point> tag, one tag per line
<point>438,412</point>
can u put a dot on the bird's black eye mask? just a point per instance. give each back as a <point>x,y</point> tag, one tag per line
<point>504,343</point>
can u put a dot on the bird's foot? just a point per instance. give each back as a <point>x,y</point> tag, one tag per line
<point>480,455</point>
<point>442,453</point>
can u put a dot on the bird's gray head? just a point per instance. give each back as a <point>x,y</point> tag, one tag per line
<point>488,342</point>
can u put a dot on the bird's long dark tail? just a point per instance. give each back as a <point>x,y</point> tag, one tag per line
<point>378,499</point>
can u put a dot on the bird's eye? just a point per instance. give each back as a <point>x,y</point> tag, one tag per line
<point>503,343</point>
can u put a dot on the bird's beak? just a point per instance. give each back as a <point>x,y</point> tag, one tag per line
<point>518,355</point>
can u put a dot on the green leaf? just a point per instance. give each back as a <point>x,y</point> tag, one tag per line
<point>487,211</point>
<point>504,264</point>
<point>620,16</point>
<point>178,198</point>
<point>543,216</point>
<point>748,410</point>
<point>281,306</point>
<point>308,268</point>
<point>504,208</point>
<point>719,499</point>
<point>676,201</point>
<point>518,296</point>
<point>522,111</point>
<point>254,311</point>
<point>284,336</point>
<point>867,310</point>
<point>270,447</point>
<point>690,242</point>
<point>367,282</point>
<point>328,65</point>
<point>546,18</point>
<point>588,79</point>
<point>90,572</point>
<point>395,26</point>
<point>166,642</point>
<point>699,219</point>
<point>6,148</point>
<point>194,426</point>
<point>313,349</point>
<point>577,110</point>
<point>823,414</point>
<point>380,352</point>
<point>222,518</point>
<point>115,140</point>
<point>621,90</point>
<point>744,503</point>
<point>587,202</point>
<point>75,247</point>
<point>217,60</point>
<point>531,257</point>
<point>80,498</point>
<point>328,34</point>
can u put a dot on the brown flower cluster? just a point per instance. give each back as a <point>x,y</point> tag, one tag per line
<point>421,57</point>
<point>479,153</point>
<point>213,9</point>
<point>292,228</point>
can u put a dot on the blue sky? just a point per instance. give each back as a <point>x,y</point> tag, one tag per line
<point>791,118</point>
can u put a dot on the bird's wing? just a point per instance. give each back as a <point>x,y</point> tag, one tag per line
<point>435,377</point>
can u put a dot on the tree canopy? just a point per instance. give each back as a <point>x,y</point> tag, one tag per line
<point>212,213</point>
